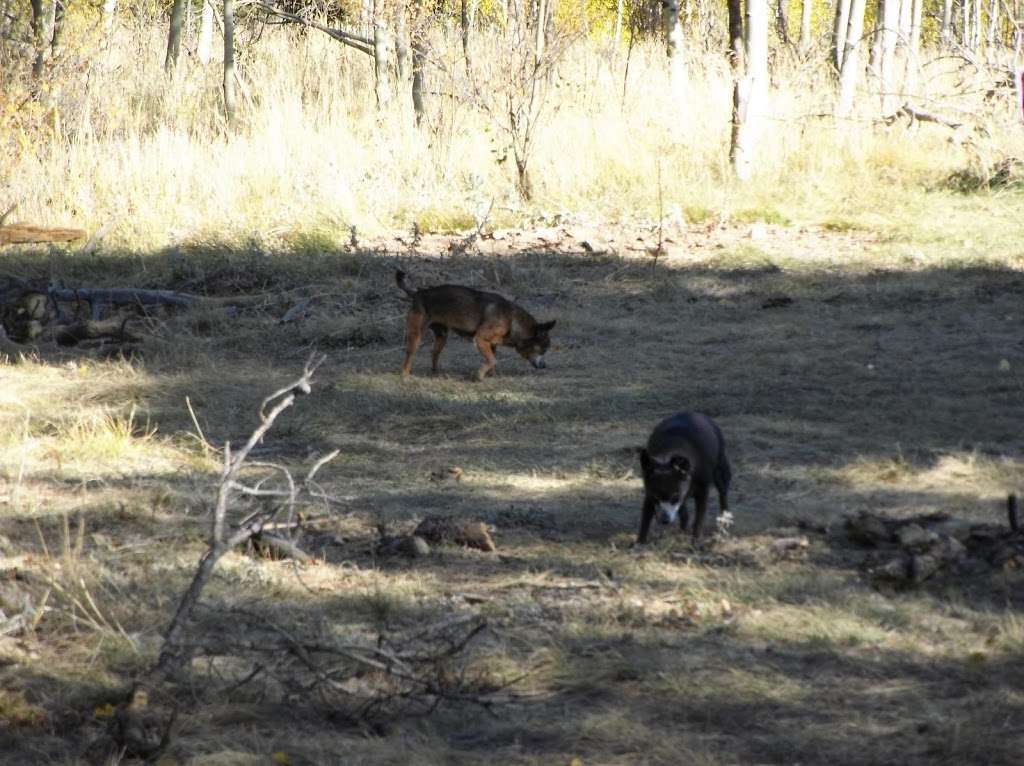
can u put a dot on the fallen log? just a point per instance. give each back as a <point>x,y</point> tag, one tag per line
<point>24,234</point>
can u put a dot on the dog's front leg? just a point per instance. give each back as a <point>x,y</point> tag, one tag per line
<point>646,516</point>
<point>487,352</point>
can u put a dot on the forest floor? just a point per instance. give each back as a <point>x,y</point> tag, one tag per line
<point>848,370</point>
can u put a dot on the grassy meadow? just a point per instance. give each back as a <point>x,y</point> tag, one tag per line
<point>891,380</point>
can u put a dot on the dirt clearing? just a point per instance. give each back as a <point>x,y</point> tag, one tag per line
<point>845,379</point>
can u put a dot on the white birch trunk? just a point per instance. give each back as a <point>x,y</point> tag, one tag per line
<point>751,97</point>
<point>913,49</point>
<point>946,28</point>
<point>839,29</point>
<point>381,57</point>
<point>849,75</point>
<point>109,7</point>
<point>204,48</point>
<point>618,23</point>
<point>674,47</point>
<point>890,19</point>
<point>229,63</point>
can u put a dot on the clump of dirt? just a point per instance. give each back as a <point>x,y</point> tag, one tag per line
<point>449,529</point>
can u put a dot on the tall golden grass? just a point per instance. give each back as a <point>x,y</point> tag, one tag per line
<point>149,155</point>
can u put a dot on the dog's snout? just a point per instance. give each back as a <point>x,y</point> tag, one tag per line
<point>538,362</point>
<point>664,518</point>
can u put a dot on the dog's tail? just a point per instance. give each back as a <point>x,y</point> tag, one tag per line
<point>402,282</point>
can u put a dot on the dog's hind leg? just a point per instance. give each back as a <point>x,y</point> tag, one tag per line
<point>723,478</point>
<point>440,338</point>
<point>414,324</point>
<point>700,498</point>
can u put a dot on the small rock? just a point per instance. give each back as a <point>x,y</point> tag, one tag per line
<point>915,538</point>
<point>450,473</point>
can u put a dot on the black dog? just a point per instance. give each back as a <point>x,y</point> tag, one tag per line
<point>684,457</point>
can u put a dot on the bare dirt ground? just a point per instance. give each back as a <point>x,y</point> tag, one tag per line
<point>844,380</point>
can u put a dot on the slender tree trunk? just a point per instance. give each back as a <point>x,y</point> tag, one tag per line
<point>875,59</point>
<point>913,48</point>
<point>109,8</point>
<point>946,29</point>
<point>229,63</point>
<point>674,46</point>
<point>993,25</point>
<point>542,22</point>
<point>59,10</point>
<point>467,15</point>
<point>419,60</point>
<point>174,36</point>
<point>750,96</point>
<point>888,26</point>
<point>204,48</point>
<point>401,49</point>
<point>617,37</point>
<point>850,73</point>
<point>736,57</point>
<point>38,37</point>
<point>976,26</point>
<point>381,56</point>
<point>839,29</point>
<point>782,22</point>
<point>805,24</point>
<point>904,18</point>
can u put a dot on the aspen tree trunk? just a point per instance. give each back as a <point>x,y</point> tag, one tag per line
<point>174,36</point>
<point>381,57</point>
<point>904,16</point>
<point>976,26</point>
<point>109,7</point>
<point>618,22</point>
<point>993,25</point>
<point>229,63</point>
<point>850,73</point>
<point>875,59</point>
<point>839,30</point>
<point>419,60</point>
<point>913,48</point>
<point>674,47</point>
<point>542,21</point>
<point>946,28</point>
<point>467,15</point>
<point>750,97</point>
<point>38,37</point>
<point>401,49</point>
<point>805,24</point>
<point>204,48</point>
<point>782,21</point>
<point>59,9</point>
<point>890,19</point>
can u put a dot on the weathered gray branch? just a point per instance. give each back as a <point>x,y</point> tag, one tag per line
<point>363,44</point>
<point>174,652</point>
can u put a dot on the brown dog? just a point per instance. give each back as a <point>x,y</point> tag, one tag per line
<point>489,319</point>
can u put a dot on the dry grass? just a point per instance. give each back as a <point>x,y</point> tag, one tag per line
<point>150,157</point>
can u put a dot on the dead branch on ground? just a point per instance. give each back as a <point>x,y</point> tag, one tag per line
<point>176,650</point>
<point>25,234</point>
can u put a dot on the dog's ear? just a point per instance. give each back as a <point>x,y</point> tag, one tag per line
<point>544,326</point>
<point>680,465</point>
